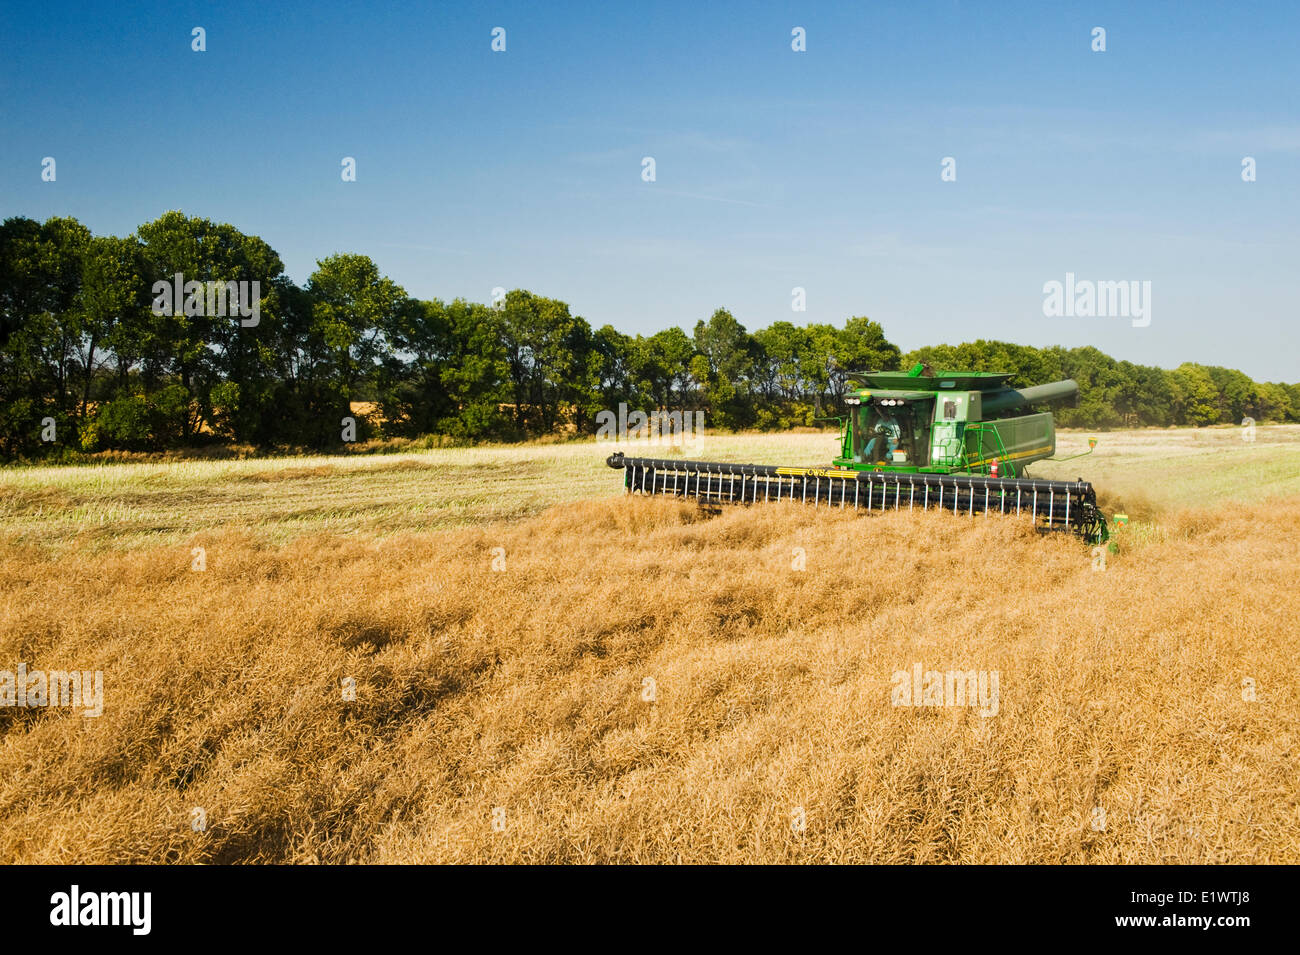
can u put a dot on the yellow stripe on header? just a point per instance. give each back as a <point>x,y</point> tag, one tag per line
<point>1011,457</point>
<point>817,472</point>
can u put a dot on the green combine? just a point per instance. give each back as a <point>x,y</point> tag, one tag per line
<point>959,440</point>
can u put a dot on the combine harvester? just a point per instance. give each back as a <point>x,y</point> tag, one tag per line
<point>954,440</point>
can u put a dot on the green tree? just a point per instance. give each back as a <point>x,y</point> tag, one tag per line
<point>724,365</point>
<point>661,368</point>
<point>779,375</point>
<point>552,367</point>
<point>112,297</point>
<point>1274,403</point>
<point>1236,394</point>
<point>187,343</point>
<point>41,329</point>
<point>476,373</point>
<point>354,311</point>
<point>1195,399</point>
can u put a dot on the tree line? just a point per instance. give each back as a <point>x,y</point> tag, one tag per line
<point>94,356</point>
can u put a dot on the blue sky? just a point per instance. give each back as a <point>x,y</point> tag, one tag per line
<point>774,169</point>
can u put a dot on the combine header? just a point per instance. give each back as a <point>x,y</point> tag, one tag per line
<point>954,440</point>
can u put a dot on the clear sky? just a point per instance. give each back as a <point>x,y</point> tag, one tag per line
<point>774,168</point>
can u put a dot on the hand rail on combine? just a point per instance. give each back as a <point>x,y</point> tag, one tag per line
<point>979,461</point>
<point>1050,505</point>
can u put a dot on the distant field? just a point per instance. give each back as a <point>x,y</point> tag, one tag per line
<point>1153,473</point>
<point>539,678</point>
<point>1141,472</point>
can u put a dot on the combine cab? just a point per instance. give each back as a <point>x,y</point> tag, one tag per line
<point>956,440</point>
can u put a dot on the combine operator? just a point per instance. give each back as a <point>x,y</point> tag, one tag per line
<point>887,427</point>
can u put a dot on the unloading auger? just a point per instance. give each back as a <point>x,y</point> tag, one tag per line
<point>953,440</point>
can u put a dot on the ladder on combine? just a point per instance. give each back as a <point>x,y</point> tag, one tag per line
<point>977,460</point>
